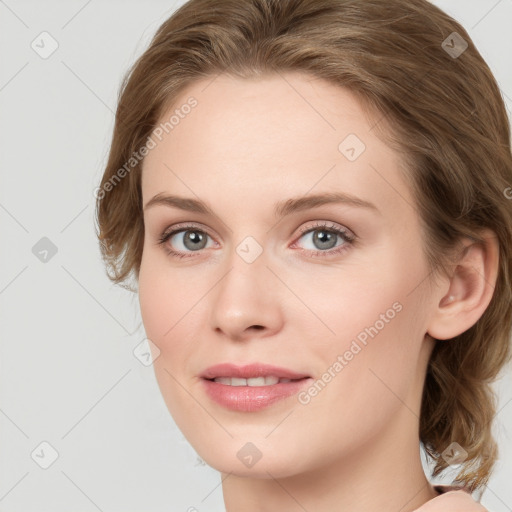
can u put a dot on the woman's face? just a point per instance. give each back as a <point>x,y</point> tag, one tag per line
<point>334,291</point>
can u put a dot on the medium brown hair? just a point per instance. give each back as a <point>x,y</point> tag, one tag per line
<point>441,111</point>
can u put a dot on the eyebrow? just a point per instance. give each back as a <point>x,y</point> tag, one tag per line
<point>281,209</point>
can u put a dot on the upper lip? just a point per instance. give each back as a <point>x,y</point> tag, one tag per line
<point>250,370</point>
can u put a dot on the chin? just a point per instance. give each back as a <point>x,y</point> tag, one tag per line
<point>260,458</point>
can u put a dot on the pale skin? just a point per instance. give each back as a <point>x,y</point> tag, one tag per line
<point>247,145</point>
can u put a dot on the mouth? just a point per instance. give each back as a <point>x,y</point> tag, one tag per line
<point>252,387</point>
<point>269,380</point>
<point>255,374</point>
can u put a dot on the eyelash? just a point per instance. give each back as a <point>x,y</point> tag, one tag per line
<point>348,238</point>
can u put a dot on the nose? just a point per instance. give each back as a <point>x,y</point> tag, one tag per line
<point>246,303</point>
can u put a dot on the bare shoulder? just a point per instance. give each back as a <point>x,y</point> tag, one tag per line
<point>456,500</point>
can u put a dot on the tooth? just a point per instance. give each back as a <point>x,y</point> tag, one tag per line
<point>256,381</point>
<point>269,380</point>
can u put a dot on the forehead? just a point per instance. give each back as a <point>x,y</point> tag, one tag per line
<point>270,137</point>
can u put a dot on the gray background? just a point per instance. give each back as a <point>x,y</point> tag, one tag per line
<point>68,373</point>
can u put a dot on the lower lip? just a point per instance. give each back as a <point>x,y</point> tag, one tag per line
<point>252,398</point>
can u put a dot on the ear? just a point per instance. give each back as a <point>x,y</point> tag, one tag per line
<point>470,288</point>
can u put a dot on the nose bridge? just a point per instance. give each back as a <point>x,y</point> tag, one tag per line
<point>247,270</point>
<point>244,296</point>
<point>249,251</point>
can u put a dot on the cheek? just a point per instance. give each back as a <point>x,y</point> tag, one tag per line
<point>161,310</point>
<point>170,303</point>
<point>160,297</point>
<point>371,314</point>
<point>380,347</point>
<point>341,303</point>
<point>154,302</point>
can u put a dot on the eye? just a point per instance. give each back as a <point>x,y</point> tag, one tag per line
<point>186,238</point>
<point>323,239</point>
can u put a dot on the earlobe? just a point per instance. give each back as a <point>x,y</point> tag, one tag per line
<point>470,290</point>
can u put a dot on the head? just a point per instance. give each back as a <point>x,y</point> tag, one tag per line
<point>244,105</point>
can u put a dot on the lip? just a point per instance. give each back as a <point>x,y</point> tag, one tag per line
<point>251,398</point>
<point>250,370</point>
